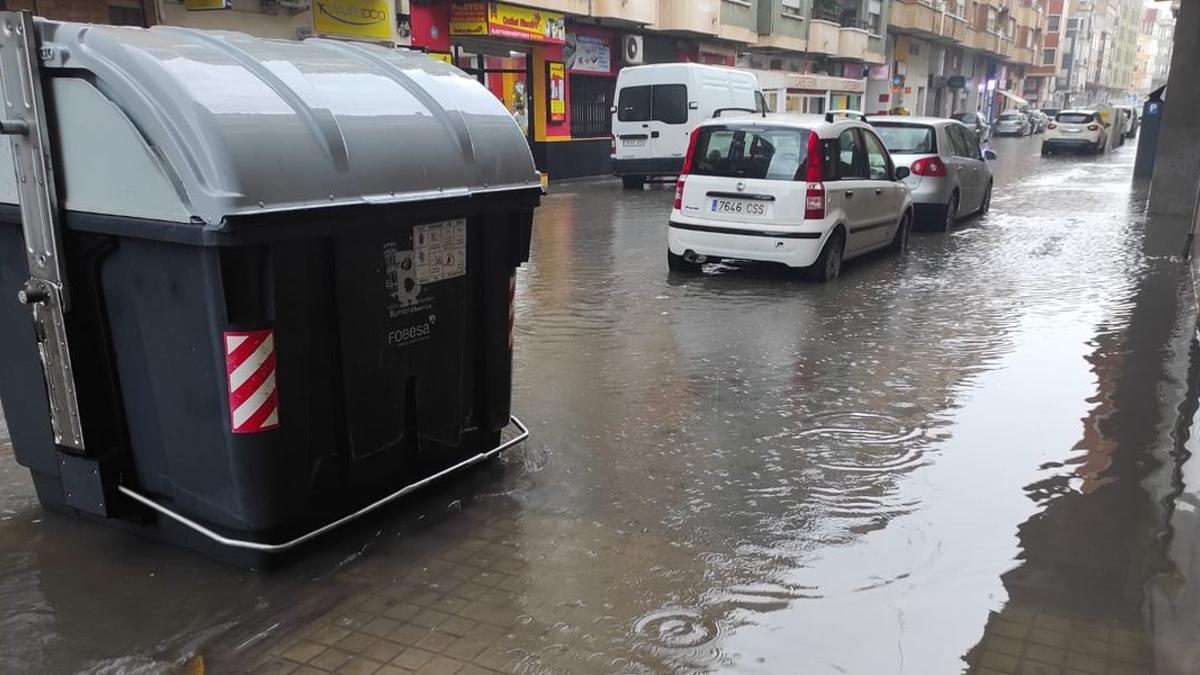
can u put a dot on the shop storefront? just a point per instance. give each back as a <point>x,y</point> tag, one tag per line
<point>557,83</point>
<point>811,94</point>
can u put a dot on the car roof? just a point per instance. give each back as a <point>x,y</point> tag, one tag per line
<point>1077,111</point>
<point>905,119</point>
<point>815,123</point>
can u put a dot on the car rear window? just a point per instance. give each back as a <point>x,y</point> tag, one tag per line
<point>907,139</point>
<point>1075,118</point>
<point>1011,116</point>
<point>964,117</point>
<point>771,153</point>
<point>667,103</point>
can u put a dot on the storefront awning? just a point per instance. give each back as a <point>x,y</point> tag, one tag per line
<point>1014,98</point>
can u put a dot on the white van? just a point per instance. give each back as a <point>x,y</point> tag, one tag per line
<point>658,106</point>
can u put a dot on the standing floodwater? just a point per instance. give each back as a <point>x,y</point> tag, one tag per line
<point>973,453</point>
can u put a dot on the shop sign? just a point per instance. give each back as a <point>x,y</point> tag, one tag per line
<point>469,18</point>
<point>715,55</point>
<point>523,23</point>
<point>204,5</point>
<point>442,56</point>
<point>825,83</point>
<point>591,54</point>
<point>365,19</point>
<point>497,19</point>
<point>956,82</point>
<point>556,95</point>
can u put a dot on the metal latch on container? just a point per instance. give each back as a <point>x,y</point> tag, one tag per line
<point>23,120</point>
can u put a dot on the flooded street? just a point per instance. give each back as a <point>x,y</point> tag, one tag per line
<point>973,456</point>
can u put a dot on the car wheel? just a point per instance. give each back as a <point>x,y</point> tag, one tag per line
<point>987,201</point>
<point>951,213</point>
<point>1046,152</point>
<point>633,182</point>
<point>900,239</point>
<point>829,263</point>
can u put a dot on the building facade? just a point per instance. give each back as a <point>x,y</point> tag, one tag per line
<point>950,56</point>
<point>1101,57</point>
<point>554,63</point>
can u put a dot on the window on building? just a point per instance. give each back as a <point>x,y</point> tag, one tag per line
<point>591,100</point>
<point>1011,28</point>
<point>126,15</point>
<point>874,11</point>
<point>793,8</point>
<point>1049,56</point>
<point>1052,24</point>
<point>992,15</point>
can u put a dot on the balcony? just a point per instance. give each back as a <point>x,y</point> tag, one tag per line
<point>696,16</point>
<point>643,12</point>
<point>927,22</point>
<point>876,51</point>
<point>1023,55</point>
<point>852,43</point>
<point>565,6</point>
<point>823,37</point>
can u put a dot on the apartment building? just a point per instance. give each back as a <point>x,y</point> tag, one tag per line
<point>1041,79</point>
<point>1159,40</point>
<point>954,55</point>
<point>1102,54</point>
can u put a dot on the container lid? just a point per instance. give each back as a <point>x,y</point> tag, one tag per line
<point>244,125</point>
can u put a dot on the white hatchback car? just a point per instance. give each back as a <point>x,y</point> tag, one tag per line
<point>802,190</point>
<point>1076,130</point>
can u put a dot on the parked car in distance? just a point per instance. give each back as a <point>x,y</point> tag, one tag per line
<point>1050,113</point>
<point>803,190</point>
<point>1011,123</point>
<point>976,122</point>
<point>949,173</point>
<point>659,105</point>
<point>1075,130</point>
<point>1131,118</point>
<point>1038,120</point>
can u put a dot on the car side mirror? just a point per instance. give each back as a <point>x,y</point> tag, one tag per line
<point>990,154</point>
<point>902,172</point>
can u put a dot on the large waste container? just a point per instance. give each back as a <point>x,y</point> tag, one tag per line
<point>271,286</point>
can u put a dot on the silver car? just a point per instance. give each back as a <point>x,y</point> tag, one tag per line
<point>949,172</point>
<point>1012,123</point>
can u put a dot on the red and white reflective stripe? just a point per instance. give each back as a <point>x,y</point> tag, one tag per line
<point>512,309</point>
<point>250,366</point>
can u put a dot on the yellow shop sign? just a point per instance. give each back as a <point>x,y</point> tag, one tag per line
<point>507,21</point>
<point>469,18</point>
<point>366,19</point>
<point>523,23</point>
<point>204,5</point>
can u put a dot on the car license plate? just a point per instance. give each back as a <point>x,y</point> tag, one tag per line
<point>740,207</point>
<point>1071,131</point>
<point>633,142</point>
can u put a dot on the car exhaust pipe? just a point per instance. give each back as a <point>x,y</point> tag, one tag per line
<point>691,256</point>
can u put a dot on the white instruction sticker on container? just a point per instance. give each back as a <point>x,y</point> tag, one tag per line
<point>441,250</point>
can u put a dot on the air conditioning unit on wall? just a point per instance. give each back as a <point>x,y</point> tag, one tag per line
<point>631,50</point>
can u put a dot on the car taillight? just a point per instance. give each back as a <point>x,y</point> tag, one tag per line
<point>612,144</point>
<point>1093,127</point>
<point>814,196</point>
<point>929,166</point>
<point>686,168</point>
<point>1052,125</point>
